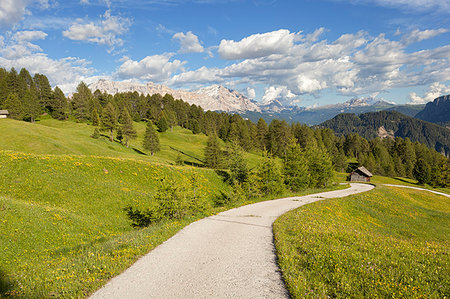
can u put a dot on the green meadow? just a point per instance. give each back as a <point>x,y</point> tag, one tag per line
<point>388,242</point>
<point>64,233</point>
<point>63,230</point>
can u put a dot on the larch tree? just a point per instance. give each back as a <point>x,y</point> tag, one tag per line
<point>109,120</point>
<point>295,167</point>
<point>128,130</point>
<point>95,118</point>
<point>14,106</point>
<point>59,104</point>
<point>81,101</point>
<point>213,153</point>
<point>151,139</point>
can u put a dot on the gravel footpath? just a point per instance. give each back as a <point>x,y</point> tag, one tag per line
<point>417,188</point>
<point>229,255</point>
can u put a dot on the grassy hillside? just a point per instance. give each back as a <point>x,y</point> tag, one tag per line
<point>389,242</point>
<point>51,136</point>
<point>63,228</point>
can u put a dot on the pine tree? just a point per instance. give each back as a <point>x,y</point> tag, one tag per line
<point>151,139</point>
<point>109,120</point>
<point>295,167</point>
<point>44,93</point>
<point>239,171</point>
<point>59,104</point>
<point>162,124</point>
<point>14,106</point>
<point>422,171</point>
<point>261,133</point>
<point>127,127</point>
<point>96,134</point>
<point>269,176</point>
<point>32,109</point>
<point>320,166</point>
<point>119,134</point>
<point>95,118</point>
<point>213,153</point>
<point>81,101</point>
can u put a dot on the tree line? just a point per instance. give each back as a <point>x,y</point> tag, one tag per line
<point>28,97</point>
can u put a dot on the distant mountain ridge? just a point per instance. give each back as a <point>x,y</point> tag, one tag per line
<point>219,98</point>
<point>391,124</point>
<point>317,115</point>
<point>215,97</point>
<point>437,111</point>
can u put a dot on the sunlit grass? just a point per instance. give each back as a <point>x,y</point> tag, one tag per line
<point>389,242</point>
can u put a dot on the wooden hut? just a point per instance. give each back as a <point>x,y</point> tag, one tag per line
<point>4,113</point>
<point>361,174</point>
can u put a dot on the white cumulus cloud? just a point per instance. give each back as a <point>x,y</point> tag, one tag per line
<point>189,42</point>
<point>12,11</point>
<point>418,35</point>
<point>280,93</point>
<point>258,45</point>
<point>352,65</point>
<point>106,31</point>
<point>29,35</point>
<point>434,91</point>
<point>155,68</point>
<point>251,93</point>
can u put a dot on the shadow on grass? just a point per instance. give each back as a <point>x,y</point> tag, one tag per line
<point>225,175</point>
<point>139,151</point>
<point>6,285</point>
<point>194,164</point>
<point>407,181</point>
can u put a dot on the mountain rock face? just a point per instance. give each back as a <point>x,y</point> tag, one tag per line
<point>437,111</point>
<point>215,98</point>
<point>389,124</point>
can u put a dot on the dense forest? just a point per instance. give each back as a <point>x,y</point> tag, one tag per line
<point>28,98</point>
<point>368,124</point>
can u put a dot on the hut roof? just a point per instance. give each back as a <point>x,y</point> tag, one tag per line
<point>364,171</point>
<point>4,112</point>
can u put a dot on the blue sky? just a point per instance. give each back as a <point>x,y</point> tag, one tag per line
<point>305,52</point>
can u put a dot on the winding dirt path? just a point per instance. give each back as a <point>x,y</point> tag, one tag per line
<point>229,255</point>
<point>417,188</point>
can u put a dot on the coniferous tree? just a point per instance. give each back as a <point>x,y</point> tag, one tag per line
<point>320,166</point>
<point>270,176</point>
<point>151,139</point>
<point>119,134</point>
<point>81,101</point>
<point>44,93</point>
<point>128,130</point>
<point>295,167</point>
<point>422,171</point>
<point>59,104</point>
<point>109,120</point>
<point>162,124</point>
<point>32,109</point>
<point>261,133</point>
<point>14,106</point>
<point>95,118</point>
<point>213,153</point>
<point>239,171</point>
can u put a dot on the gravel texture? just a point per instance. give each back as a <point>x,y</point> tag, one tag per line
<point>229,255</point>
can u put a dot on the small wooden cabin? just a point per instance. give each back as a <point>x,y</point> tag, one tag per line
<point>361,174</point>
<point>4,113</point>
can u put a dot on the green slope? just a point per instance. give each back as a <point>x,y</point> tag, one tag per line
<point>389,242</point>
<point>63,231</point>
